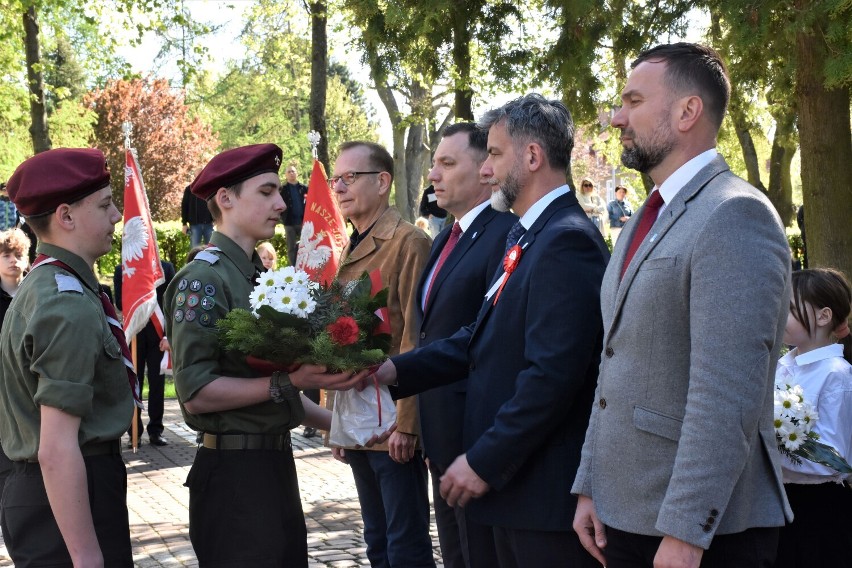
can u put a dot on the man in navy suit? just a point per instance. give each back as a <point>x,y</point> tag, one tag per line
<point>463,260</point>
<point>532,355</point>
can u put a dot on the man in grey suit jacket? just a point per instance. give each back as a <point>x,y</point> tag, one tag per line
<point>680,465</point>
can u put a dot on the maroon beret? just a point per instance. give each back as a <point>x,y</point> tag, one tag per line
<point>234,166</point>
<point>49,179</point>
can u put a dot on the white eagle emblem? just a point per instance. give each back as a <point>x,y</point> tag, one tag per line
<point>134,240</point>
<point>312,254</point>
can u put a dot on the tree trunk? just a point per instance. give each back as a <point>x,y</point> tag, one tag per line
<point>319,78</point>
<point>35,80</point>
<point>826,145</point>
<point>741,126</point>
<point>462,39</point>
<point>780,191</point>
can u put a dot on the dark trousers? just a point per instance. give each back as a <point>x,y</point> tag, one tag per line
<point>753,548</point>
<point>149,356</point>
<point>312,394</point>
<point>821,534</point>
<point>29,528</point>
<point>292,234</point>
<point>5,470</point>
<point>518,548</point>
<point>245,510</point>
<point>464,543</point>
<point>394,502</point>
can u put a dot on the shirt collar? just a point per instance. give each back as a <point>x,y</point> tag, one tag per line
<point>467,219</point>
<point>684,174</point>
<point>539,206</point>
<point>77,264</point>
<point>827,352</point>
<point>248,266</point>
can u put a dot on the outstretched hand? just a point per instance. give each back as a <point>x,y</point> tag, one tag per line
<point>316,377</point>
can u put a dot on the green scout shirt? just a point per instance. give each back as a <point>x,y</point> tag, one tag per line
<point>56,349</point>
<point>201,293</point>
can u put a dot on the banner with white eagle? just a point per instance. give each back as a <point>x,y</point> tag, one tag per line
<point>140,256</point>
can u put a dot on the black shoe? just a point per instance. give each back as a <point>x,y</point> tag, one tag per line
<point>309,432</point>
<point>158,441</point>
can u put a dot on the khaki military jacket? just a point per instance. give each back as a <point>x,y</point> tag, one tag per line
<point>201,293</point>
<point>57,349</point>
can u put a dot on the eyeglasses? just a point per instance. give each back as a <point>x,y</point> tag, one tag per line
<point>348,178</point>
<point>587,185</point>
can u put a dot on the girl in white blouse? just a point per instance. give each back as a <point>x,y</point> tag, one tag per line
<point>821,499</point>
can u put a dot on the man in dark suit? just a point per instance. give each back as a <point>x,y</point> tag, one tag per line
<point>531,357</point>
<point>149,353</point>
<point>463,260</point>
<point>680,467</point>
<point>294,195</point>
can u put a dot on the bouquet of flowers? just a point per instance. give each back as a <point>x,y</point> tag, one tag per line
<point>294,321</point>
<point>795,419</point>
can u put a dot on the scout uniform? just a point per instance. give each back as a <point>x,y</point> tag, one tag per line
<point>57,349</point>
<point>244,503</point>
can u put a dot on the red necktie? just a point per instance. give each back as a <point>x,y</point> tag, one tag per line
<point>455,233</point>
<point>649,215</point>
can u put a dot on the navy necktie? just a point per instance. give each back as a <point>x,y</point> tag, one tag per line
<point>515,234</point>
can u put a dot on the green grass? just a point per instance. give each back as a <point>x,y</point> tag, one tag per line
<point>169,390</point>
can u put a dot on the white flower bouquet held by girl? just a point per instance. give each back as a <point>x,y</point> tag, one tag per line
<point>795,419</point>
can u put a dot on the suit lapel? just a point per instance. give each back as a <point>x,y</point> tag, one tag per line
<point>467,240</point>
<point>437,247</point>
<point>525,243</point>
<point>659,229</point>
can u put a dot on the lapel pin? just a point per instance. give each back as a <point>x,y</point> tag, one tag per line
<point>654,237</point>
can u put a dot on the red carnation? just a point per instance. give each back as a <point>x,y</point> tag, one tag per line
<point>344,331</point>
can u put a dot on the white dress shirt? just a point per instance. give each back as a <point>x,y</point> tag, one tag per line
<point>682,176</point>
<point>826,379</point>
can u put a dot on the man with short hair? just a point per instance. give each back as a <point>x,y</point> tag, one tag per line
<point>464,258</point>
<point>66,395</point>
<point>390,477</point>
<point>694,303</point>
<point>294,195</point>
<point>196,219</point>
<point>619,212</point>
<point>244,503</point>
<point>531,356</point>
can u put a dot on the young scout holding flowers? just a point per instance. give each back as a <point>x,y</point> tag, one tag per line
<point>65,400</point>
<point>244,502</point>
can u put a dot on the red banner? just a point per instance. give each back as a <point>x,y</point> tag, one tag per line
<point>323,230</point>
<point>140,256</point>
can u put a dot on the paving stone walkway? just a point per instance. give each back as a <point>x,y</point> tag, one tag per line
<point>158,502</point>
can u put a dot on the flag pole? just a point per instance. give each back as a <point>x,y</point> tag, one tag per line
<point>127,129</point>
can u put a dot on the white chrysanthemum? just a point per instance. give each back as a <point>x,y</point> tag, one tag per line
<point>792,437</point>
<point>809,417</point>
<point>258,297</point>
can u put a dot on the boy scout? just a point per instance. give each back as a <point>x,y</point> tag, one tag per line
<point>65,399</point>
<point>244,505</point>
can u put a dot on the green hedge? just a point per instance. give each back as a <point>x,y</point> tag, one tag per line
<point>174,246</point>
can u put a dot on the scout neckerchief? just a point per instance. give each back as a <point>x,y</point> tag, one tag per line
<point>112,320</point>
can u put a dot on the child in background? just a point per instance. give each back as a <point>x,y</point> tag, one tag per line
<point>818,330</point>
<point>14,262</point>
<point>267,255</point>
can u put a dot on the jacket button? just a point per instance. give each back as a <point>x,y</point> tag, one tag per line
<point>422,335</point>
<point>707,528</point>
<point>609,352</point>
<point>711,520</point>
<point>602,403</point>
<point>714,513</point>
